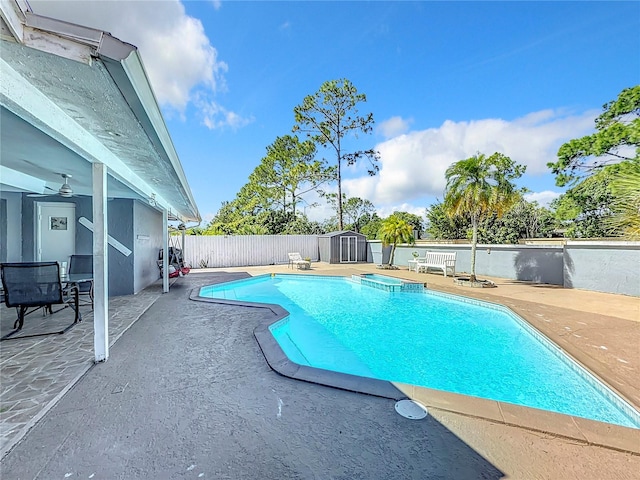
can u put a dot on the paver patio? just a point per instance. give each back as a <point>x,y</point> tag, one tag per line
<point>187,394</point>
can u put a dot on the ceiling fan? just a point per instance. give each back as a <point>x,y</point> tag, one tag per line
<point>65,189</point>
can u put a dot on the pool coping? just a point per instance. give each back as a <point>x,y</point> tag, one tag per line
<point>280,363</point>
<point>590,432</point>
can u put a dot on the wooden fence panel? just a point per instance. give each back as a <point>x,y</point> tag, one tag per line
<point>204,251</point>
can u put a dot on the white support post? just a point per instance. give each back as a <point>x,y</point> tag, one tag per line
<point>165,255</point>
<point>183,257</point>
<point>100,264</point>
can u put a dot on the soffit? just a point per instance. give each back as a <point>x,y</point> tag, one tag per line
<point>88,96</point>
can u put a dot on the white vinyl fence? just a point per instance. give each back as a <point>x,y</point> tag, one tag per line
<point>204,251</point>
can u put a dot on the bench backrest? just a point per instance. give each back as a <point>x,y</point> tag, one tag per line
<point>294,257</point>
<point>31,284</point>
<point>440,257</point>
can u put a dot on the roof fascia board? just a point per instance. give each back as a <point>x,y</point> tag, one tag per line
<point>58,45</point>
<point>30,104</point>
<point>132,80</point>
<point>12,13</point>
<point>79,33</point>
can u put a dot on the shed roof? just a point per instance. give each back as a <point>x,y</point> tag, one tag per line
<point>341,232</point>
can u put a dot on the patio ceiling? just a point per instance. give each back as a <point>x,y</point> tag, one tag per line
<point>59,115</point>
<point>29,151</point>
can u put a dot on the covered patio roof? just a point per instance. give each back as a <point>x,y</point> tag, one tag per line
<point>76,101</point>
<point>72,96</point>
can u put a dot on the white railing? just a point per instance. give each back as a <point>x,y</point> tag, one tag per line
<point>204,251</point>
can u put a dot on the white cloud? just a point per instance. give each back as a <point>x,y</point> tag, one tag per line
<point>176,52</point>
<point>394,126</point>
<point>215,116</point>
<point>385,211</point>
<point>544,198</point>
<point>413,165</point>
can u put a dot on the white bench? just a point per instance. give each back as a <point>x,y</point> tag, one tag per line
<point>441,260</point>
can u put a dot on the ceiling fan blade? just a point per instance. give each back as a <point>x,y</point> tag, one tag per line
<point>52,190</point>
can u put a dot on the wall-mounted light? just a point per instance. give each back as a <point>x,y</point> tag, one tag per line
<point>152,200</point>
<point>488,251</point>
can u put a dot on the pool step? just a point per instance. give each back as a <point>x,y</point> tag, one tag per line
<point>405,286</point>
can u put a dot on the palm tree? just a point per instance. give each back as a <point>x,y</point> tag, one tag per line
<point>393,231</point>
<point>479,186</point>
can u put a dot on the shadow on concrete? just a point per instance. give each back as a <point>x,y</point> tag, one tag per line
<point>539,267</point>
<point>568,269</point>
<point>187,394</point>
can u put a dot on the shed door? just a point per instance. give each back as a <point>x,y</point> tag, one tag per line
<point>348,249</point>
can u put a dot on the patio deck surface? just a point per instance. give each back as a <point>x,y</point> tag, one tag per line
<point>188,394</point>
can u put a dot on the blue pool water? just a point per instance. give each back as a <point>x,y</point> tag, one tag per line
<point>430,339</point>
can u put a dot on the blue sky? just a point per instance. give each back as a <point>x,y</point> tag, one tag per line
<point>443,80</point>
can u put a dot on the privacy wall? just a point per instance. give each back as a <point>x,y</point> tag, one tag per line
<point>610,267</point>
<point>603,266</point>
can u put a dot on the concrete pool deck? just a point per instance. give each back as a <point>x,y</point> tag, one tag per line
<point>187,392</point>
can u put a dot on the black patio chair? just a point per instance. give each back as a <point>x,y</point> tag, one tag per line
<point>83,264</point>
<point>30,286</point>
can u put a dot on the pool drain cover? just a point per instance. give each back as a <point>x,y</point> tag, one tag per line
<point>411,409</point>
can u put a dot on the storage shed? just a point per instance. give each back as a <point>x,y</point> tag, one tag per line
<point>342,247</point>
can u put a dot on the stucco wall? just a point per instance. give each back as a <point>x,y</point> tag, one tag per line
<point>147,242</point>
<point>14,222</point>
<point>519,262</point>
<point>84,238</point>
<point>603,266</point>
<point>120,227</point>
<point>611,267</point>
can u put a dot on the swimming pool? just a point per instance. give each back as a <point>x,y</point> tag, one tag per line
<point>431,339</point>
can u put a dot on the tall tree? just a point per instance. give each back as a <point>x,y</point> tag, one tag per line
<point>372,226</point>
<point>442,225</point>
<point>626,205</point>
<point>479,186</point>
<point>523,220</point>
<point>393,231</point>
<point>584,211</point>
<point>617,138</point>
<point>288,171</point>
<point>412,219</point>
<point>330,115</point>
<point>358,211</point>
